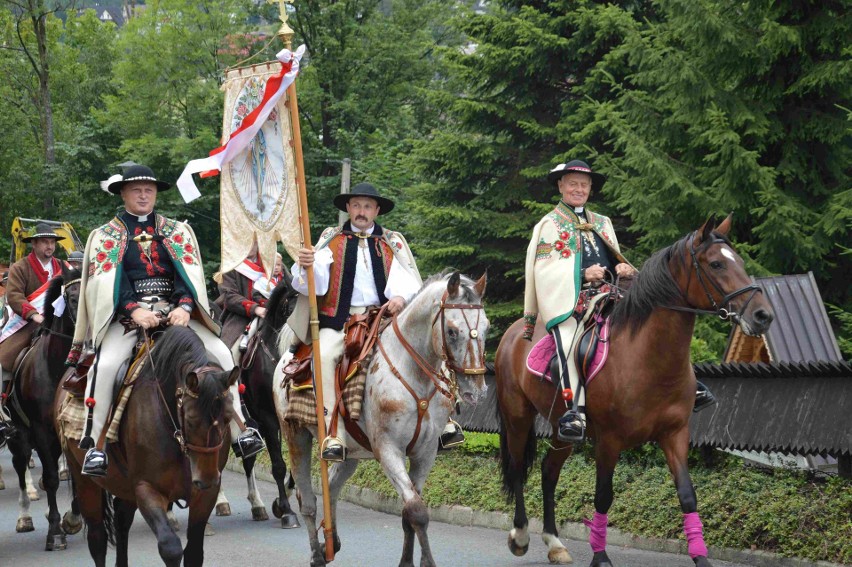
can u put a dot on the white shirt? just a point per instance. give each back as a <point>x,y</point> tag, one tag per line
<point>48,267</point>
<point>400,282</point>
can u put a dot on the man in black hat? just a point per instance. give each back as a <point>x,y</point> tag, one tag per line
<point>572,249</point>
<point>369,266</point>
<point>144,267</point>
<point>25,289</point>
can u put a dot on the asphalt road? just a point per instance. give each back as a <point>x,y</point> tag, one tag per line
<point>369,538</point>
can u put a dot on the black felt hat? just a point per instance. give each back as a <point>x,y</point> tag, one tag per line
<point>135,173</point>
<point>43,230</point>
<point>576,166</point>
<point>364,190</point>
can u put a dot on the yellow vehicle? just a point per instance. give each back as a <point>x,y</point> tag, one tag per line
<point>21,228</point>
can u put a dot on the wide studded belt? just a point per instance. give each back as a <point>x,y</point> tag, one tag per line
<point>162,287</point>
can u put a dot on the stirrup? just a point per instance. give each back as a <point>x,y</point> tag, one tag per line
<point>94,463</point>
<point>248,444</point>
<point>333,450</point>
<point>452,436</point>
<point>571,427</point>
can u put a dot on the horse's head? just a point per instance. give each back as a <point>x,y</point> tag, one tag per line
<point>716,279</point>
<point>459,328</point>
<point>204,409</point>
<point>67,286</point>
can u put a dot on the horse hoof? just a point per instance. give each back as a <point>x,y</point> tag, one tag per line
<point>317,559</point>
<point>71,524</point>
<point>24,525</point>
<point>600,559</point>
<point>41,483</point>
<point>517,549</point>
<point>258,514</point>
<point>56,543</point>
<point>32,463</point>
<point>223,509</point>
<point>208,530</point>
<point>2,484</point>
<point>290,521</point>
<point>33,495</point>
<point>702,562</point>
<point>63,475</point>
<point>559,556</point>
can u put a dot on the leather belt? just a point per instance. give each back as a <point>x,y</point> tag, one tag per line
<point>153,287</point>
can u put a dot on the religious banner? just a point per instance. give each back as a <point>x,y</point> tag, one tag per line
<point>258,193</point>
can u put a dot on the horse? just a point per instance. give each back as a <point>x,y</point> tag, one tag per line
<point>259,400</point>
<point>173,443</point>
<point>431,355</point>
<point>644,392</point>
<point>37,377</point>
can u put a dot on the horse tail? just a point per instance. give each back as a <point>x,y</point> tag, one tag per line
<point>513,475</point>
<point>109,517</point>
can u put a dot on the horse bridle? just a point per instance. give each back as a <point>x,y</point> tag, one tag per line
<point>178,425</point>
<point>446,353</point>
<point>721,309</point>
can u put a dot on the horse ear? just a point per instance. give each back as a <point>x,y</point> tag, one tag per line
<point>725,226</point>
<point>706,230</point>
<point>192,382</point>
<point>453,285</point>
<point>479,286</point>
<point>233,376</point>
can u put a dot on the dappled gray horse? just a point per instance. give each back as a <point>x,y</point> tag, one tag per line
<point>431,356</point>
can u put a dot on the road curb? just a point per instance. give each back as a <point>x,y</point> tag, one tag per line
<point>465,516</point>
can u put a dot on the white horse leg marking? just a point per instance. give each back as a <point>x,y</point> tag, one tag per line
<point>223,507</point>
<point>521,536</point>
<point>25,520</point>
<point>32,491</point>
<point>258,508</point>
<point>556,550</point>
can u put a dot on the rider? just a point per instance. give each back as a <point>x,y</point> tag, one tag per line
<point>355,267</point>
<point>239,303</point>
<point>25,289</point>
<point>574,242</point>
<point>140,266</point>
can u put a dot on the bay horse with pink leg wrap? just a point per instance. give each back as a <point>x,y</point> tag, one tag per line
<point>644,392</point>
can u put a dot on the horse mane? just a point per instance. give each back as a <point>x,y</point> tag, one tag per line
<point>54,290</point>
<point>652,287</point>
<point>179,351</point>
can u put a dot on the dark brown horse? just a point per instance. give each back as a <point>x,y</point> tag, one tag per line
<point>645,392</point>
<point>260,400</point>
<point>35,387</point>
<point>172,445</point>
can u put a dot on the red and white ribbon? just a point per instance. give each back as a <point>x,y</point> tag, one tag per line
<point>240,138</point>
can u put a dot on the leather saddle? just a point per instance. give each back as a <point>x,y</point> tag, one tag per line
<point>594,338</point>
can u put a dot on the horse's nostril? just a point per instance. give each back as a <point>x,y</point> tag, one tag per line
<point>763,316</point>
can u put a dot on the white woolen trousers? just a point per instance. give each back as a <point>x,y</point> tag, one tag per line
<point>114,350</point>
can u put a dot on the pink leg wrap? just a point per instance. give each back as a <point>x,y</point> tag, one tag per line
<point>694,536</point>
<point>597,535</point>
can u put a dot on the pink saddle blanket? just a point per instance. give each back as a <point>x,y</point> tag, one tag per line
<point>538,360</point>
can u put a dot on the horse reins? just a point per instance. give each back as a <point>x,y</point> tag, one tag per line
<point>722,311</point>
<point>445,383</point>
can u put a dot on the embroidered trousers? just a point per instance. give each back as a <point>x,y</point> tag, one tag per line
<point>116,348</point>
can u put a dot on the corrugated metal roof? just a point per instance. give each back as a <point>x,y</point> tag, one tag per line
<point>799,408</point>
<point>801,331</point>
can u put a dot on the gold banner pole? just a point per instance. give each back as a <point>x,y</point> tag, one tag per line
<point>286,33</point>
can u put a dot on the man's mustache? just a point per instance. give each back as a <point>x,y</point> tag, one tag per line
<point>360,217</point>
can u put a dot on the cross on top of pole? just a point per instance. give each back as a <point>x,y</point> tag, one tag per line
<point>286,33</point>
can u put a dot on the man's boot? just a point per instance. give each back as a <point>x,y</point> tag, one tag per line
<point>248,444</point>
<point>451,436</point>
<point>333,450</point>
<point>704,398</point>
